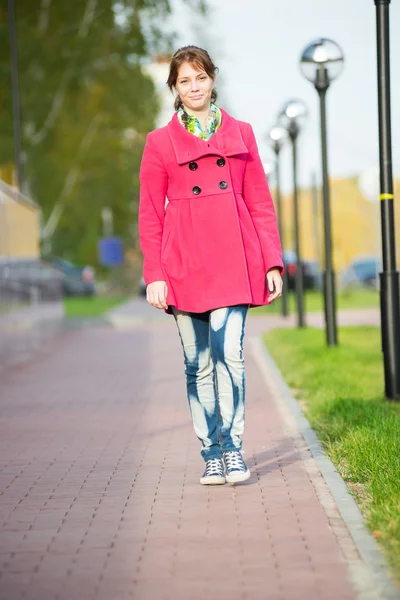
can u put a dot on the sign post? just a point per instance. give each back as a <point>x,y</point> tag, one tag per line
<point>111,254</point>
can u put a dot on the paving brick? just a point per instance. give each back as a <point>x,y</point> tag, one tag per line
<point>101,498</point>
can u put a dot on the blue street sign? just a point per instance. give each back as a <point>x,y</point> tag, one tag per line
<point>111,251</point>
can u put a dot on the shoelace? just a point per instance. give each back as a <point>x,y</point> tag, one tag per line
<point>234,461</point>
<point>214,467</point>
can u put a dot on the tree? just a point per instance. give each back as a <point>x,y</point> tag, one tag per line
<point>86,107</point>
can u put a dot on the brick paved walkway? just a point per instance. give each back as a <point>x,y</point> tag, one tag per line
<point>101,500</point>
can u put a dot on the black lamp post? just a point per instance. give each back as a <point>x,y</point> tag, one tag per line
<point>277,137</point>
<point>321,62</point>
<point>292,117</point>
<point>315,212</point>
<point>389,278</point>
<point>15,94</point>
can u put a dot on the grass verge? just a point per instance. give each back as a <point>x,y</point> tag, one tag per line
<point>355,298</point>
<point>91,306</point>
<point>341,392</point>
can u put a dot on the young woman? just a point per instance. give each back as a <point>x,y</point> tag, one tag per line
<point>211,250</point>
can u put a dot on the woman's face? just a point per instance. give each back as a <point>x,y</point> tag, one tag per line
<point>194,87</point>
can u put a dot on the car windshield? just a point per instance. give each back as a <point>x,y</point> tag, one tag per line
<point>363,269</point>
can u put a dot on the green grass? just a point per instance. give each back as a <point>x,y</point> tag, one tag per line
<point>341,391</point>
<point>90,306</point>
<point>356,298</point>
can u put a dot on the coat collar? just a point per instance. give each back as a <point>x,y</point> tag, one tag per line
<point>227,141</point>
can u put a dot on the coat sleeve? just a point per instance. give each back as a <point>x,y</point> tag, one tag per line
<point>258,199</point>
<point>153,189</point>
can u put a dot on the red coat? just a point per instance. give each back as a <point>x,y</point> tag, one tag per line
<point>216,237</point>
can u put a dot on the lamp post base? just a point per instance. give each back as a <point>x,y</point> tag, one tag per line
<point>330,307</point>
<point>299,288</point>
<point>284,297</point>
<point>390,315</point>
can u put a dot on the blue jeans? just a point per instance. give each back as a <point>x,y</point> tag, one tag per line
<point>215,375</point>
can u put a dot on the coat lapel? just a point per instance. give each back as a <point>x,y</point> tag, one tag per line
<point>227,141</point>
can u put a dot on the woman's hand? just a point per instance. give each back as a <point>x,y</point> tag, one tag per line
<point>275,284</point>
<point>156,294</point>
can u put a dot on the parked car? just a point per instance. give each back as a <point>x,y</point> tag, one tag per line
<point>312,278</point>
<point>29,280</point>
<point>76,280</point>
<point>362,272</point>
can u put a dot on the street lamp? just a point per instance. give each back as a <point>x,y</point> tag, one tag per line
<point>321,62</point>
<point>277,136</point>
<point>16,111</point>
<point>292,117</point>
<point>389,278</point>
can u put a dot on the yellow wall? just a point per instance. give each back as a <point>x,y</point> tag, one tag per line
<point>355,223</point>
<point>19,228</point>
<point>7,173</point>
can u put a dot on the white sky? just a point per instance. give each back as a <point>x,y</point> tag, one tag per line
<point>257,45</point>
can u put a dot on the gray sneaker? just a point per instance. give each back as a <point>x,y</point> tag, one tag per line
<point>235,467</point>
<point>214,473</point>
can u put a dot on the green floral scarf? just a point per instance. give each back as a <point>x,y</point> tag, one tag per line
<point>192,124</point>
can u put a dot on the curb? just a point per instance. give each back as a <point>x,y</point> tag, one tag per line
<point>71,323</point>
<point>106,320</point>
<point>370,553</point>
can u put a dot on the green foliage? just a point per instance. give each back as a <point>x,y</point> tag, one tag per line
<point>92,306</point>
<point>341,389</point>
<point>86,107</point>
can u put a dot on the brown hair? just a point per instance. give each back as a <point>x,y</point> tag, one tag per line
<point>199,59</point>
